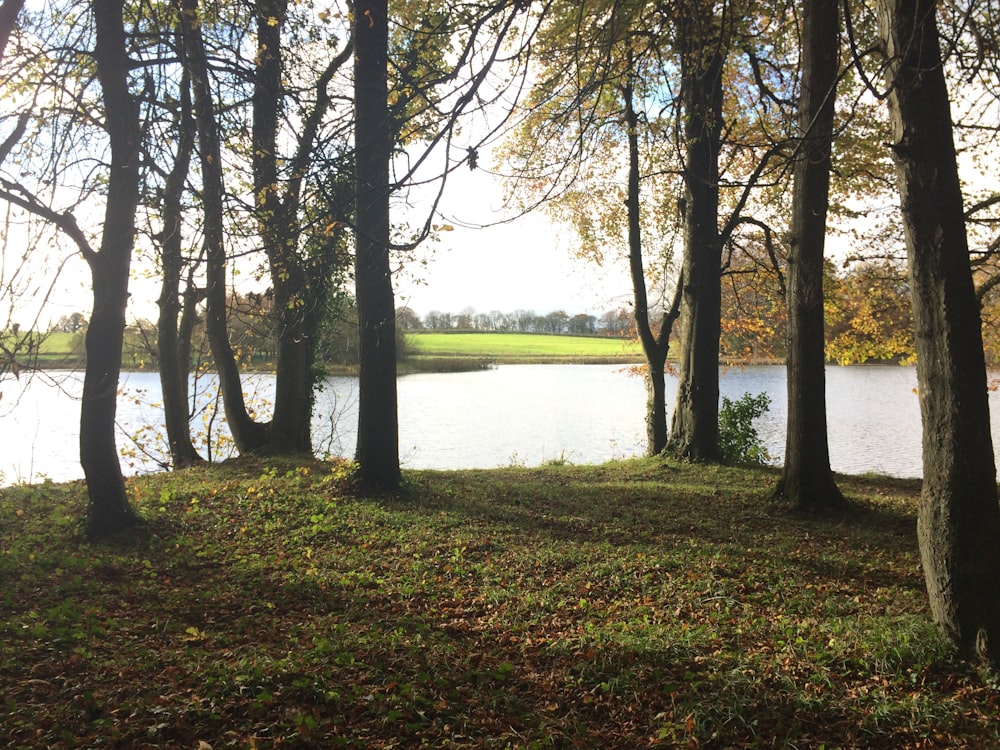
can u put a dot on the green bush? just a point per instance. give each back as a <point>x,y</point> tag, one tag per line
<point>739,442</point>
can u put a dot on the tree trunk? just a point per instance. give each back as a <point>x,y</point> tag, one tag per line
<point>654,346</point>
<point>248,434</point>
<point>9,11</point>
<point>291,425</point>
<point>297,293</point>
<point>695,428</point>
<point>808,480</point>
<point>174,351</point>
<point>959,518</point>
<point>109,508</point>
<point>378,427</point>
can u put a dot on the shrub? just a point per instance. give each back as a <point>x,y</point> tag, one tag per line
<point>739,442</point>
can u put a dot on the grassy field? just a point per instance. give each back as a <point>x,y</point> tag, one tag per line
<point>61,343</point>
<point>521,347</point>
<point>52,343</point>
<point>55,350</point>
<point>634,604</point>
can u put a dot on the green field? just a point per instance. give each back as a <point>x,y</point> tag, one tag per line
<point>55,350</point>
<point>61,343</point>
<point>51,343</point>
<point>522,347</point>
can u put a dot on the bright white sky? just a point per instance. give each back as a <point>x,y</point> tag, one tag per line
<point>527,264</point>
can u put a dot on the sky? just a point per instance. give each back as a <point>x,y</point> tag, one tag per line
<point>525,265</point>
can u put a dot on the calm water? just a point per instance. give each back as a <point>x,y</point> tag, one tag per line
<point>524,414</point>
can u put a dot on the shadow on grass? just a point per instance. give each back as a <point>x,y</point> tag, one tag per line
<point>625,605</point>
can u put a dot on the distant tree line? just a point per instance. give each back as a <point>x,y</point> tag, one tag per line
<point>868,319</point>
<point>611,323</point>
<point>868,316</point>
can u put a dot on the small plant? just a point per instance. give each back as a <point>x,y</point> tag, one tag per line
<point>559,460</point>
<point>739,442</point>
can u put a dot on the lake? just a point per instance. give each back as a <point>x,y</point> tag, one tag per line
<point>513,414</point>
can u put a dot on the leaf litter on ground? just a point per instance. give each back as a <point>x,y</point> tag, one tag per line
<point>642,603</point>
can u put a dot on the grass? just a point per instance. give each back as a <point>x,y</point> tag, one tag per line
<point>512,348</point>
<point>633,604</point>
<point>63,350</point>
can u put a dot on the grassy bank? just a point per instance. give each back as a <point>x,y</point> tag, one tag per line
<point>635,604</point>
<point>52,350</point>
<point>519,348</point>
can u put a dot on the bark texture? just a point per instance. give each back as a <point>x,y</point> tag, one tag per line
<point>378,427</point>
<point>694,430</point>
<point>959,518</point>
<point>807,480</point>
<point>109,509</point>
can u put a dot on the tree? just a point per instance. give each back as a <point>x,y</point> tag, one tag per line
<point>655,345</point>
<point>754,318</point>
<point>116,182</point>
<point>248,434</point>
<point>72,323</point>
<point>869,315</point>
<point>591,147</point>
<point>378,423</point>
<point>297,194</point>
<point>959,517</point>
<point>407,319</point>
<point>109,509</point>
<point>581,324</point>
<point>703,45</point>
<point>807,479</point>
<point>9,11</point>
<point>302,257</point>
<point>431,94</point>
<point>176,321</point>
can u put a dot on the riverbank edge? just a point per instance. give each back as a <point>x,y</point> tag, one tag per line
<point>438,363</point>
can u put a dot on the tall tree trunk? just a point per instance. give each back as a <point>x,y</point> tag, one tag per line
<point>109,508</point>
<point>959,518</point>
<point>695,428</point>
<point>9,11</point>
<point>174,351</point>
<point>300,275</point>
<point>248,434</point>
<point>654,346</point>
<point>378,426</point>
<point>807,479</point>
<point>291,421</point>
